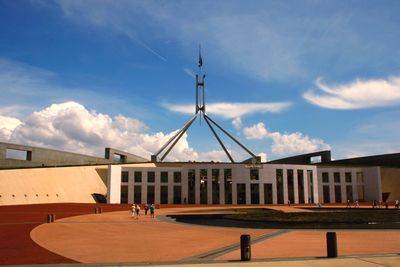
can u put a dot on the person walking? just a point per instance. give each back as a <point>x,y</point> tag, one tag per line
<point>396,204</point>
<point>133,210</point>
<point>146,208</point>
<point>137,211</point>
<point>152,210</point>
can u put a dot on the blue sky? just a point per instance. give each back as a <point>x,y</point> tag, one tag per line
<point>285,77</point>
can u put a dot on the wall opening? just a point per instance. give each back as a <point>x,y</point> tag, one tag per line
<point>18,154</point>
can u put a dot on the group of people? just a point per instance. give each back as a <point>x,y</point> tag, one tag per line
<point>379,204</point>
<point>355,203</point>
<point>136,210</point>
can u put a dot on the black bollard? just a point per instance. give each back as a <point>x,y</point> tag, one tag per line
<point>331,244</point>
<point>100,210</point>
<point>49,217</point>
<point>245,248</point>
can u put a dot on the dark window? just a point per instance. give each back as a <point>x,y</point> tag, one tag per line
<point>300,183</point>
<point>177,177</point>
<point>310,186</point>
<point>279,185</point>
<point>124,194</point>
<point>164,177</point>
<point>241,193</point>
<point>203,186</point>
<point>336,177</point>
<point>137,194</point>
<point>349,192</point>
<point>348,177</point>
<point>124,177</point>
<point>254,174</point>
<point>325,177</point>
<point>268,193</point>
<point>150,194</point>
<point>138,177</point>
<point>290,180</point>
<point>255,193</point>
<point>192,186</point>
<point>338,194</point>
<point>215,186</point>
<point>177,194</point>
<point>164,194</point>
<point>327,196</point>
<point>228,185</point>
<point>151,177</point>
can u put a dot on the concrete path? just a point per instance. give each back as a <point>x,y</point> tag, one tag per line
<point>117,237</point>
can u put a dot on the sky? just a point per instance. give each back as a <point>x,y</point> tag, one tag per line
<point>283,77</point>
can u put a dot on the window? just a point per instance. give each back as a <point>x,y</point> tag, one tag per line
<point>215,186</point>
<point>279,185</point>
<point>349,192</point>
<point>347,176</point>
<point>191,186</point>
<point>241,193</point>
<point>310,179</point>
<point>228,185</point>
<point>338,194</point>
<point>18,154</point>
<point>203,186</point>
<point>177,194</point>
<point>255,193</point>
<point>300,184</point>
<point>164,177</point>
<point>254,174</point>
<point>150,194</point>
<point>151,177</point>
<point>124,194</point>
<point>326,193</point>
<point>290,181</point>
<point>268,193</point>
<point>124,177</point>
<point>325,177</point>
<point>336,177</point>
<point>138,177</point>
<point>164,194</point>
<point>177,177</point>
<point>137,191</point>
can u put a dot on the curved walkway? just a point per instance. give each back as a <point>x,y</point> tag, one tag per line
<point>117,237</point>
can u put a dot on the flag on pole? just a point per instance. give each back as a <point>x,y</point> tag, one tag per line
<point>200,59</point>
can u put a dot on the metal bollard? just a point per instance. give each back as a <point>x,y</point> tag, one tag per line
<point>331,244</point>
<point>100,210</point>
<point>245,248</point>
<point>53,217</point>
<point>49,217</point>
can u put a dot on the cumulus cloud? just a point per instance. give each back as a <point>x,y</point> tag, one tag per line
<point>71,127</point>
<point>356,95</point>
<point>7,126</point>
<point>232,110</point>
<point>285,143</point>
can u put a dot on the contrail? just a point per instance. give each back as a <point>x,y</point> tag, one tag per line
<point>152,51</point>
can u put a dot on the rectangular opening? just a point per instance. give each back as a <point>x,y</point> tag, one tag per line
<point>164,194</point>
<point>290,181</point>
<point>192,186</point>
<point>138,177</point>
<point>316,159</point>
<point>124,177</point>
<point>124,194</point>
<point>119,158</point>
<point>241,193</point>
<point>279,185</point>
<point>349,192</point>
<point>164,177</point>
<point>228,185</point>
<point>150,194</point>
<point>137,197</point>
<point>326,194</point>
<point>151,177</point>
<point>255,193</point>
<point>268,193</point>
<point>18,154</point>
<point>203,186</point>
<point>177,194</point>
<point>300,184</point>
<point>177,177</point>
<point>338,194</point>
<point>215,186</point>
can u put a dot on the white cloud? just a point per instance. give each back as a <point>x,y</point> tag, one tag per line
<point>237,123</point>
<point>7,126</point>
<point>232,110</point>
<point>356,95</point>
<point>283,144</point>
<point>71,127</point>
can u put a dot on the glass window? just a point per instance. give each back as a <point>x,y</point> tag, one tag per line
<point>325,177</point>
<point>138,177</point>
<point>124,194</point>
<point>255,193</point>
<point>151,177</point>
<point>254,174</point>
<point>164,177</point>
<point>300,184</point>
<point>215,186</point>
<point>124,177</point>
<point>164,194</point>
<point>326,194</point>
<point>338,194</point>
<point>177,194</point>
<point>336,177</point>
<point>177,177</point>
<point>150,194</point>
<point>228,185</point>
<point>290,181</point>
<point>348,177</point>
<point>279,185</point>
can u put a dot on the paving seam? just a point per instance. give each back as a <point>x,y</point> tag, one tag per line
<point>210,255</point>
<point>379,264</point>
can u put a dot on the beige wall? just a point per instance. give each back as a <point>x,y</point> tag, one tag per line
<point>391,182</point>
<point>51,185</point>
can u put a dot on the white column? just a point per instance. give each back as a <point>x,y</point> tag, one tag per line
<point>157,191</point>
<point>285,187</point>
<point>296,186</point>
<point>248,192</point>
<point>234,193</point>
<point>131,182</point>
<point>144,187</point>
<point>114,184</point>
<point>170,187</point>
<point>184,184</point>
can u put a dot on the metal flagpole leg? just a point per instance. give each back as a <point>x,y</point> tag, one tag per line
<point>233,138</point>
<point>219,140</point>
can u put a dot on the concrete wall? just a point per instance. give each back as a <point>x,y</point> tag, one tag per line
<point>372,182</point>
<point>46,157</point>
<point>51,185</point>
<point>391,182</point>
